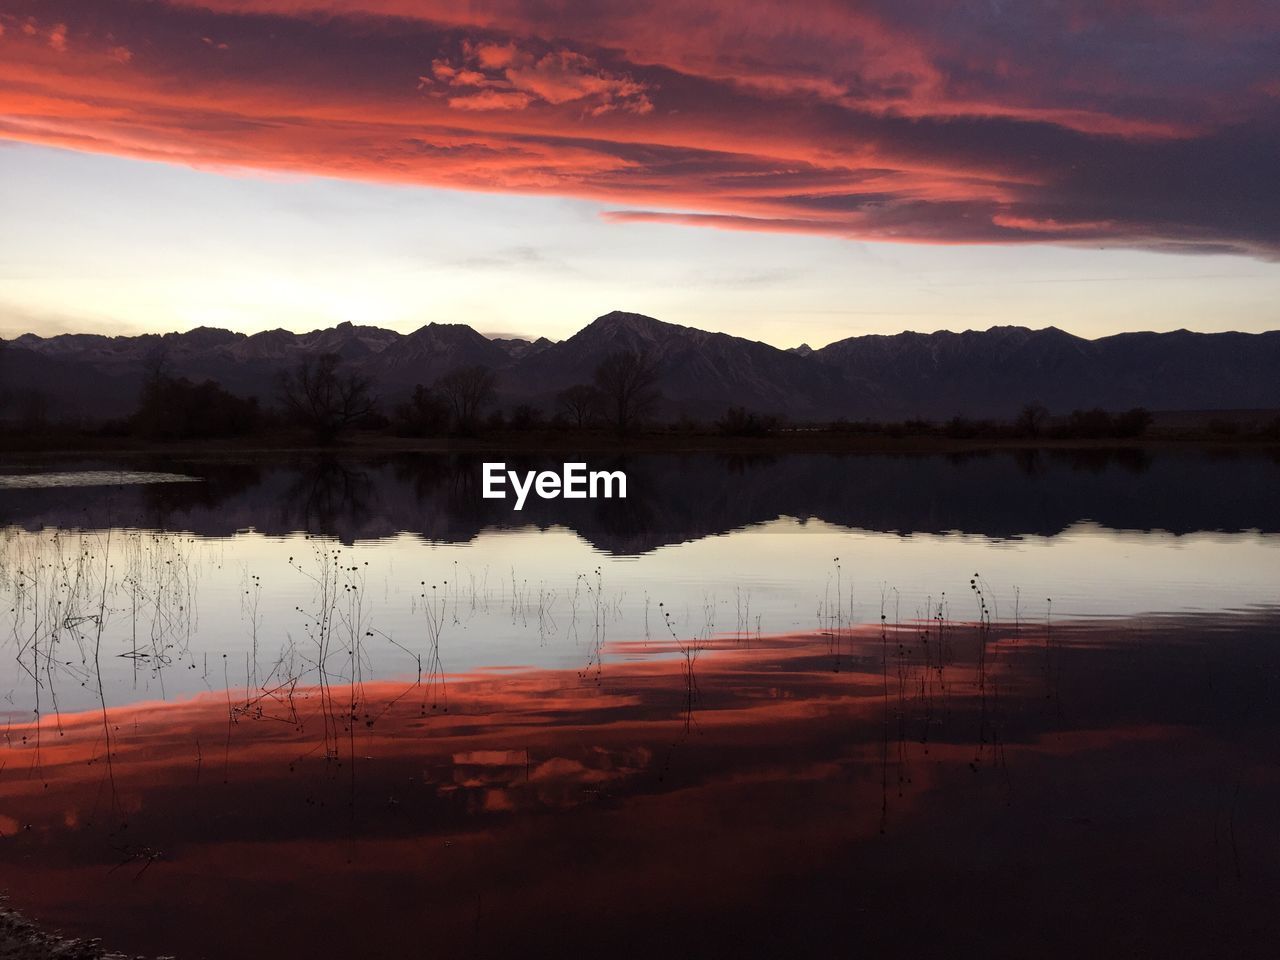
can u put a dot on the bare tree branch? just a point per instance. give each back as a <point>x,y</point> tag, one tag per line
<point>317,396</point>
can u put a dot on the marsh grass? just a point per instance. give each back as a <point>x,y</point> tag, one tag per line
<point>434,608</point>
<point>80,599</point>
<point>835,614</point>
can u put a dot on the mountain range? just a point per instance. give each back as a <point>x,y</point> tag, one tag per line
<point>987,373</point>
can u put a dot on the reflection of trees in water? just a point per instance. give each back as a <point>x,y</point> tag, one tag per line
<point>448,490</point>
<point>1130,459</point>
<point>740,463</point>
<point>1034,462</point>
<point>219,482</point>
<point>426,476</point>
<point>1030,463</point>
<point>628,524</point>
<point>678,497</point>
<point>451,481</point>
<point>959,458</point>
<point>327,494</point>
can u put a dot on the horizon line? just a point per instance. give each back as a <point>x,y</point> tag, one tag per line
<point>532,338</point>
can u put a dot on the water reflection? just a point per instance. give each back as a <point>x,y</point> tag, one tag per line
<point>673,499</point>
<point>763,707</point>
<point>918,789</point>
<point>122,614</point>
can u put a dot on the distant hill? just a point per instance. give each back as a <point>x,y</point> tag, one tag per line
<point>702,373</point>
<point>989,373</point>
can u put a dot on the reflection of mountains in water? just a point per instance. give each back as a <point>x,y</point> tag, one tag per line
<point>675,498</point>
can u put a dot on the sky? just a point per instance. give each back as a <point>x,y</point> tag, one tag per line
<point>788,172</point>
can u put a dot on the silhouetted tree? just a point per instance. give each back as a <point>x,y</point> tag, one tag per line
<point>1088,424</point>
<point>1032,420</point>
<point>467,390</point>
<point>628,382</point>
<point>177,409</point>
<point>740,422</point>
<point>526,417</point>
<point>1097,423</point>
<point>579,403</point>
<point>1133,423</point>
<point>961,428</point>
<point>324,400</point>
<point>425,414</point>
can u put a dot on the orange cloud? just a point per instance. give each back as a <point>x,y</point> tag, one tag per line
<point>58,37</point>
<point>503,77</point>
<point>863,120</point>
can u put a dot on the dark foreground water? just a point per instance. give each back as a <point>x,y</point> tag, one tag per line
<point>1016,705</point>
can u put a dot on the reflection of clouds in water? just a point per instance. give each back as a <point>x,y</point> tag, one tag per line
<point>564,782</point>
<point>854,761</point>
<point>177,621</point>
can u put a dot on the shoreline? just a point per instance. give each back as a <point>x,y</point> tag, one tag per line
<point>23,939</point>
<point>374,445</point>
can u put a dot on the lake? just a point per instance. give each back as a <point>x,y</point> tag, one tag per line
<point>797,705</point>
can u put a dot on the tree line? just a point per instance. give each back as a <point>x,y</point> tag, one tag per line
<point>326,399</point>
<point>321,396</point>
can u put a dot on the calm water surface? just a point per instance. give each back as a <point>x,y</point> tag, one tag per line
<point>806,704</point>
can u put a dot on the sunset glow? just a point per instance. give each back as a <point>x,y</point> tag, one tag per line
<point>850,141</point>
<point>639,478</point>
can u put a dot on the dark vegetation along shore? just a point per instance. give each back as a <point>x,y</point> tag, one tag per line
<point>320,403</point>
<point>269,432</point>
<point>637,383</point>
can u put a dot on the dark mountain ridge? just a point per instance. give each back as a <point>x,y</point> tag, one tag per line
<point>702,372</point>
<point>987,373</point>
